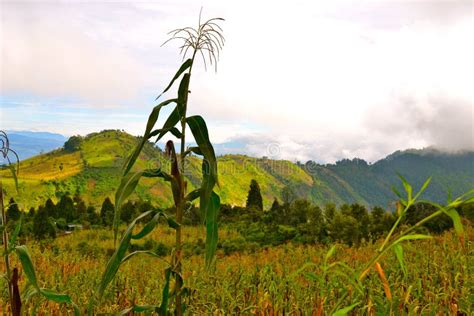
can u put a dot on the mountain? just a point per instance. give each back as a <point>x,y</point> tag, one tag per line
<point>94,172</point>
<point>28,144</point>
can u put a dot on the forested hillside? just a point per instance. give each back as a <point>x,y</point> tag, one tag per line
<point>91,166</point>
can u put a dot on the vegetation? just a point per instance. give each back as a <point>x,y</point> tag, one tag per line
<point>283,243</point>
<point>73,144</point>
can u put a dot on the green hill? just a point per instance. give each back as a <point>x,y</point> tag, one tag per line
<point>94,172</point>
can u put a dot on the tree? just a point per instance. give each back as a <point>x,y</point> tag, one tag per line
<point>361,215</point>
<point>344,228</point>
<point>66,209</point>
<point>287,195</point>
<point>80,208</point>
<point>13,212</point>
<point>254,197</point>
<point>50,208</point>
<point>92,217</point>
<point>128,212</point>
<point>312,229</point>
<point>275,205</point>
<point>31,212</point>
<point>377,222</point>
<point>107,212</point>
<point>298,212</point>
<point>73,143</point>
<point>42,226</point>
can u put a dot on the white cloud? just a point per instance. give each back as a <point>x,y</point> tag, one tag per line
<point>45,53</point>
<point>324,79</point>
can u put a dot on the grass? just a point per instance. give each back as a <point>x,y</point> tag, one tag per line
<point>439,279</point>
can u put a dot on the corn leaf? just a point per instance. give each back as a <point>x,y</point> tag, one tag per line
<point>127,185</point>
<point>344,311</point>
<point>181,69</point>
<point>209,164</point>
<point>423,188</point>
<point>146,136</point>
<point>114,262</point>
<point>139,309</point>
<point>29,270</point>
<point>398,249</point>
<point>211,211</point>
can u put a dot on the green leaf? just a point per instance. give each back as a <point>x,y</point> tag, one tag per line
<point>27,264</point>
<point>166,292</point>
<point>14,175</point>
<point>127,185</point>
<point>138,252</point>
<point>114,262</point>
<point>423,188</point>
<point>411,237</point>
<point>193,195</point>
<point>170,122</point>
<point>209,164</point>
<point>146,136</point>
<point>181,69</point>
<point>402,200</point>
<point>454,215</point>
<point>211,228</point>
<point>344,311</point>
<point>172,223</point>
<point>173,130</point>
<point>29,270</point>
<point>407,186</point>
<point>195,150</point>
<point>330,253</point>
<point>156,173</point>
<point>139,309</point>
<point>148,228</point>
<point>14,236</point>
<point>398,249</point>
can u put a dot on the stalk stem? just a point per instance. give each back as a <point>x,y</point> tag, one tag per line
<point>5,245</point>
<point>180,204</point>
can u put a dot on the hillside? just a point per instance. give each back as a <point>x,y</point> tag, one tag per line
<point>94,172</point>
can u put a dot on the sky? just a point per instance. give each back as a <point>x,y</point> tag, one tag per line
<point>298,80</point>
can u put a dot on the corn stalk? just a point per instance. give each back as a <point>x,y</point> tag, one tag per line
<point>206,41</point>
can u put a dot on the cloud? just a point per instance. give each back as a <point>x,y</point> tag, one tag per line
<point>323,79</point>
<point>46,53</point>
<point>446,123</point>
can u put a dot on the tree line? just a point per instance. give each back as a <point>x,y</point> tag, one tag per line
<point>289,219</point>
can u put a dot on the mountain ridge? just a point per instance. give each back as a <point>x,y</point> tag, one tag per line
<point>94,172</point>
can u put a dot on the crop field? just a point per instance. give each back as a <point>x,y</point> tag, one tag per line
<point>269,281</point>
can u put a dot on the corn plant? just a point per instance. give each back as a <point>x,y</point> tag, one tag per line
<point>206,40</point>
<point>9,246</point>
<point>393,241</point>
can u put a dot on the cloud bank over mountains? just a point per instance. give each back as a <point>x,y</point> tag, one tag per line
<point>323,80</point>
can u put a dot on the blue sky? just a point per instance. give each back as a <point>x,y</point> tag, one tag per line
<point>322,80</point>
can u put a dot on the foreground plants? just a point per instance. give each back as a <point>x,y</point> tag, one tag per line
<point>355,280</point>
<point>21,251</point>
<point>206,40</point>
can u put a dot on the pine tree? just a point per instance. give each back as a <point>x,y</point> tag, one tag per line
<point>13,212</point>
<point>42,227</point>
<point>128,212</point>
<point>254,197</point>
<point>65,208</point>
<point>92,217</point>
<point>107,212</point>
<point>275,205</point>
<point>79,207</point>
<point>50,208</point>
